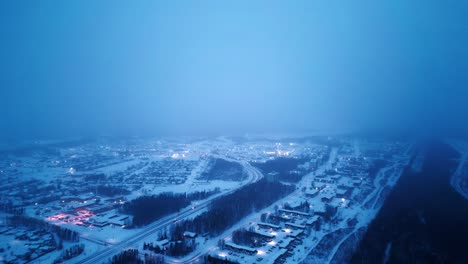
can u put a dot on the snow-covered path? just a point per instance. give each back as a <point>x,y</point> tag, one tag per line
<point>460,175</point>
<point>211,245</point>
<point>362,214</point>
<point>140,237</point>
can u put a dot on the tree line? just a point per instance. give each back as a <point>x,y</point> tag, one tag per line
<point>176,248</point>
<point>227,210</point>
<point>131,256</point>
<point>223,213</point>
<point>221,169</point>
<point>62,232</point>
<point>149,208</point>
<point>287,168</point>
<point>70,253</point>
<point>9,207</point>
<point>248,237</point>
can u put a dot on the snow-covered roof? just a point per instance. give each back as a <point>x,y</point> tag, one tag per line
<point>293,212</point>
<point>268,225</point>
<point>190,234</point>
<point>235,246</point>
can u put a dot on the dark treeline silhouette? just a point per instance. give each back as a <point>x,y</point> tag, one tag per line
<point>129,256</point>
<point>70,253</point>
<point>303,207</point>
<point>99,177</point>
<point>176,249</point>
<point>212,260</point>
<point>375,167</point>
<point>153,259</point>
<point>423,220</point>
<point>146,209</point>
<point>201,195</point>
<point>227,210</point>
<point>109,190</point>
<point>47,199</point>
<point>287,168</point>
<point>9,207</point>
<point>248,238</point>
<point>62,232</point>
<point>222,169</point>
<point>223,213</point>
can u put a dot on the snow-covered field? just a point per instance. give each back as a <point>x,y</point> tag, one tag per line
<point>82,187</point>
<point>319,245</point>
<point>459,180</point>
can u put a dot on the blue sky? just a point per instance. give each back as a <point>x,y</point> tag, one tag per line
<point>78,68</point>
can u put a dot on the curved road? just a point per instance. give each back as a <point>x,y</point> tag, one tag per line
<point>134,240</point>
<point>306,181</point>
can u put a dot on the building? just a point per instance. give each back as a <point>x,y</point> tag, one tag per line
<point>311,193</point>
<point>293,212</point>
<point>241,249</point>
<point>294,226</point>
<point>268,226</point>
<point>188,234</point>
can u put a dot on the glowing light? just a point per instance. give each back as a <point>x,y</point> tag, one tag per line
<point>343,199</point>
<point>222,254</point>
<point>260,252</point>
<point>273,233</point>
<point>272,243</point>
<point>287,230</point>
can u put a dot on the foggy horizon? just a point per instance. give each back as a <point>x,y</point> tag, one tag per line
<point>160,68</point>
<point>234,132</point>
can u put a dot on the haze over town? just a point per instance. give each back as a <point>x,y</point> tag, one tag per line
<point>190,68</point>
<point>216,132</point>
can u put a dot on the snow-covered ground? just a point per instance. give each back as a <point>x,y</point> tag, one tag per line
<point>53,185</point>
<point>459,180</point>
<point>362,212</point>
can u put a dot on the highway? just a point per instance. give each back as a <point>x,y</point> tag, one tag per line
<point>458,177</point>
<point>144,235</point>
<point>306,181</point>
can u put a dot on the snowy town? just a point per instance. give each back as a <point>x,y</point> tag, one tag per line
<point>285,200</point>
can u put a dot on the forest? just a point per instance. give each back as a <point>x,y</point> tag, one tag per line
<point>131,256</point>
<point>223,213</point>
<point>221,169</point>
<point>227,210</point>
<point>63,233</point>
<point>146,209</point>
<point>248,238</point>
<point>287,168</point>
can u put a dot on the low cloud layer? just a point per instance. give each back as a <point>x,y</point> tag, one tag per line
<point>210,67</point>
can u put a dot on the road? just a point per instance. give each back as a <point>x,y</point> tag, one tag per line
<point>197,256</point>
<point>459,176</point>
<point>152,229</point>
